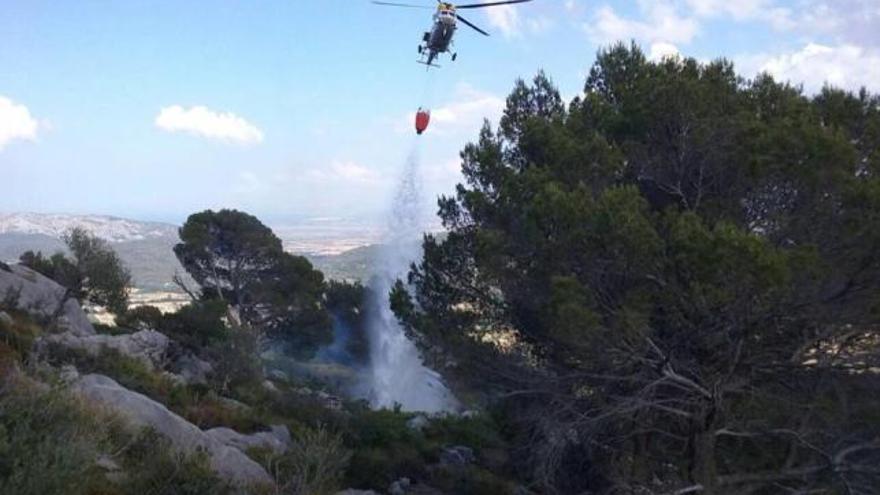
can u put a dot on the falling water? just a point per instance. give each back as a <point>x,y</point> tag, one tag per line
<point>397,374</point>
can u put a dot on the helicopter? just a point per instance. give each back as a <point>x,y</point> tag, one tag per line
<point>439,39</point>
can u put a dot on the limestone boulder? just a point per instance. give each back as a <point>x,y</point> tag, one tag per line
<point>148,346</point>
<point>141,411</point>
<point>42,298</point>
<point>277,439</point>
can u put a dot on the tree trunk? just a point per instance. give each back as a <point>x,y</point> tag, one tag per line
<point>704,468</point>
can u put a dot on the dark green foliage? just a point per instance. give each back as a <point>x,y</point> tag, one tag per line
<point>196,325</point>
<point>17,337</point>
<point>236,361</point>
<point>386,449</point>
<point>141,318</point>
<point>314,465</point>
<point>347,302</point>
<point>131,373</point>
<point>95,272</point>
<point>670,283</point>
<point>152,467</point>
<point>237,259</point>
<point>226,252</point>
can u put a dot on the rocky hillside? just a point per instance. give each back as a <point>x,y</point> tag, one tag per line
<point>185,411</point>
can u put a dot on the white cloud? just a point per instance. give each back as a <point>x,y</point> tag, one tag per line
<point>845,66</point>
<point>463,114</point>
<point>347,172</point>
<point>742,10</point>
<point>661,23</point>
<point>207,123</point>
<point>248,183</point>
<point>540,24</point>
<point>845,21</point>
<point>660,51</point>
<point>506,19</point>
<point>16,122</point>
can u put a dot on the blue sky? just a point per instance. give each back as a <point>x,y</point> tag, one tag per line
<point>302,108</point>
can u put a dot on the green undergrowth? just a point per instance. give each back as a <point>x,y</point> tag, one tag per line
<point>198,404</point>
<point>386,449</point>
<point>17,337</point>
<point>50,442</point>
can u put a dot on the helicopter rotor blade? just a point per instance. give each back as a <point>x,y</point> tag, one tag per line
<point>469,24</point>
<point>407,5</point>
<point>489,4</point>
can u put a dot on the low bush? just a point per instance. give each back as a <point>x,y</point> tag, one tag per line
<point>385,449</point>
<point>151,466</point>
<point>131,373</point>
<point>18,335</point>
<point>50,443</point>
<point>471,480</point>
<point>314,465</point>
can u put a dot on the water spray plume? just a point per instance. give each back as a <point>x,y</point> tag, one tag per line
<point>397,374</point>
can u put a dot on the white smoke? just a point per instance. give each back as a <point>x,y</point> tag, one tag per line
<point>397,374</point>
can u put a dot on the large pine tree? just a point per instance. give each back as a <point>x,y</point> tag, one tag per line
<point>669,286</point>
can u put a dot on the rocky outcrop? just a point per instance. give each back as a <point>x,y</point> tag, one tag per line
<point>418,422</point>
<point>457,456</point>
<point>42,298</point>
<point>191,370</point>
<point>277,439</point>
<point>148,346</point>
<point>141,411</point>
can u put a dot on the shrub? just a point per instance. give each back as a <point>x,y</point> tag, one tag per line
<point>151,466</point>
<point>196,325</point>
<point>386,449</point>
<point>50,441</point>
<point>236,361</point>
<point>95,272</point>
<point>478,432</point>
<point>131,373</point>
<point>314,465</point>
<point>141,318</point>
<point>209,411</point>
<point>471,480</point>
<point>17,336</point>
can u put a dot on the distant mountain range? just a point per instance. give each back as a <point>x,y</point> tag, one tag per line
<point>147,247</point>
<point>111,229</point>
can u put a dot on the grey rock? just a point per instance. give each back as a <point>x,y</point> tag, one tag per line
<point>5,319</point>
<point>521,490</point>
<point>69,374</point>
<point>399,487</point>
<point>457,456</point>
<point>107,464</point>
<point>418,423</point>
<point>277,439</point>
<point>329,401</point>
<point>268,385</point>
<point>148,346</point>
<point>141,411</point>
<point>43,298</point>
<point>192,370</point>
